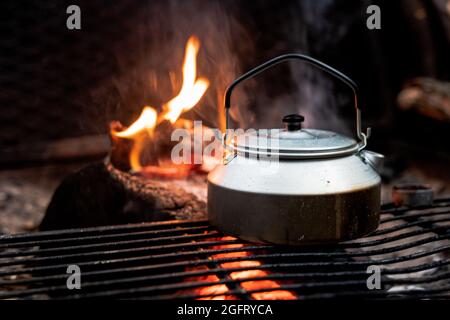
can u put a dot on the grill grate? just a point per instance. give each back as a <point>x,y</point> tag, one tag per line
<point>190,259</point>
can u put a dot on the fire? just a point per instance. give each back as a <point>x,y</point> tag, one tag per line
<point>192,90</point>
<point>241,275</point>
<point>146,121</point>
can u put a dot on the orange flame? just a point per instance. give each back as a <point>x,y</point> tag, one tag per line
<point>146,121</point>
<point>192,90</point>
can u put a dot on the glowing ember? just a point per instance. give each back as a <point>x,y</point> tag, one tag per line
<point>219,290</point>
<point>192,90</point>
<point>166,169</point>
<point>239,275</point>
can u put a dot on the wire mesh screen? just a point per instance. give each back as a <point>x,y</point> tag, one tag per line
<point>190,259</point>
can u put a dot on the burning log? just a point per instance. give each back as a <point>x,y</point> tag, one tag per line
<point>149,136</point>
<point>139,182</point>
<point>120,148</point>
<point>150,156</point>
<point>103,195</point>
<point>166,196</point>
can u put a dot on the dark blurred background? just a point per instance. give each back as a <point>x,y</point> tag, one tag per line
<point>60,88</point>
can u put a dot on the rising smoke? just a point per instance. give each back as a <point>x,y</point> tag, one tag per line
<point>232,33</point>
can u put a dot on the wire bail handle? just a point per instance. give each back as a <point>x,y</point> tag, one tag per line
<point>292,56</point>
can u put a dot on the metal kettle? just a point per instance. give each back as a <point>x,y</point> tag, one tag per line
<point>295,185</point>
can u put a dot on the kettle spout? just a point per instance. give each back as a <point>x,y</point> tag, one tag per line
<point>375,159</point>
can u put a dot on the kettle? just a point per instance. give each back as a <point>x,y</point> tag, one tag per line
<point>295,185</point>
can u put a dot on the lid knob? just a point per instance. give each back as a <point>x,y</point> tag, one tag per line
<point>293,122</point>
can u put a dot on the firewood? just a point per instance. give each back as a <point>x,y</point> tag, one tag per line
<point>101,194</point>
<point>165,195</point>
<point>156,150</point>
<point>120,148</point>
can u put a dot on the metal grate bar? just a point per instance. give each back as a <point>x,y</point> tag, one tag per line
<point>107,238</point>
<point>296,287</point>
<point>275,276</point>
<point>298,265</point>
<point>159,260</point>
<point>36,255</point>
<point>279,255</point>
<point>98,231</point>
<point>176,276</point>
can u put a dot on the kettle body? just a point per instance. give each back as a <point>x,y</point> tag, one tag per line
<point>300,202</point>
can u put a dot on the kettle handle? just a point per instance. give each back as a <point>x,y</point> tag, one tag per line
<point>324,67</point>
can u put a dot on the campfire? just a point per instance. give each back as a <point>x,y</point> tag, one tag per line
<point>144,147</point>
<point>141,141</point>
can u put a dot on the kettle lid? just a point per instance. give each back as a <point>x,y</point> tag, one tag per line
<point>294,141</point>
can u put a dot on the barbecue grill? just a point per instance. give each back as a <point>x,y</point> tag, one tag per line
<point>190,259</point>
